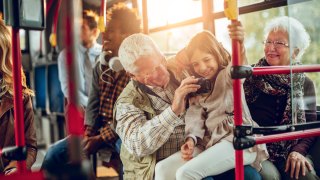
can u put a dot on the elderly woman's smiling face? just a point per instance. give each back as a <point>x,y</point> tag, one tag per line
<point>276,49</point>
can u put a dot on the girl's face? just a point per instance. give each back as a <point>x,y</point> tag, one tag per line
<point>204,64</point>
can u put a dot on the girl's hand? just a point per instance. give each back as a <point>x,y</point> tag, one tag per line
<point>194,100</point>
<point>187,149</point>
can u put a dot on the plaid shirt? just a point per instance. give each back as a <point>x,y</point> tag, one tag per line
<point>111,84</point>
<point>163,134</point>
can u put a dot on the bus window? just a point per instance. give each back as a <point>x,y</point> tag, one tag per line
<point>173,40</point>
<point>219,5</point>
<point>23,40</point>
<point>164,12</point>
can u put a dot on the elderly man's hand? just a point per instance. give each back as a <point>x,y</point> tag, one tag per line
<point>297,164</point>
<point>187,86</point>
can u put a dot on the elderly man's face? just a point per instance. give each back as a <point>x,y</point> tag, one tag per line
<point>152,71</point>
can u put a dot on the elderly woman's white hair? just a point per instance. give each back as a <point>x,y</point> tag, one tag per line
<point>134,47</point>
<point>297,34</point>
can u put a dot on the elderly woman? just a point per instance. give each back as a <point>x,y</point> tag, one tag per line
<point>276,100</point>
<point>8,166</point>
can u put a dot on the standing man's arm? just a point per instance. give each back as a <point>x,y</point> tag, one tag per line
<point>63,78</point>
<point>62,72</point>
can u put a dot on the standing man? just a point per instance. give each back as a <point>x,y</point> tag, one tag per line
<point>87,52</point>
<point>57,157</point>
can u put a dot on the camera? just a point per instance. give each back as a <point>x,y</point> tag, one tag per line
<point>205,87</point>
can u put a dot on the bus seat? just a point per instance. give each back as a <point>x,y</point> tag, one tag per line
<point>40,88</point>
<point>55,95</point>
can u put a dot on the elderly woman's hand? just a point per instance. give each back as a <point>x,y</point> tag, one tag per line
<point>236,31</point>
<point>297,163</point>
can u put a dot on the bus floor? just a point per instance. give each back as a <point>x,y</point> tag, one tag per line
<point>106,173</point>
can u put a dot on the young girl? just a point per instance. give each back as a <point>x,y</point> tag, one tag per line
<point>209,119</point>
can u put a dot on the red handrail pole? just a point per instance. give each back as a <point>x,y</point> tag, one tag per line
<point>237,107</point>
<point>285,69</point>
<point>231,11</point>
<point>103,7</point>
<point>74,115</point>
<point>17,99</point>
<point>287,136</point>
<point>55,17</point>
<point>102,17</point>
<point>25,176</point>
<point>48,6</point>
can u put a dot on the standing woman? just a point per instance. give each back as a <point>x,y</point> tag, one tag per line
<point>6,107</point>
<point>272,99</point>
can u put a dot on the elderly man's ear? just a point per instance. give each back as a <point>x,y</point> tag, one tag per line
<point>131,76</point>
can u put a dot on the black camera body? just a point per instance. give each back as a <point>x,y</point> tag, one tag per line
<point>205,87</point>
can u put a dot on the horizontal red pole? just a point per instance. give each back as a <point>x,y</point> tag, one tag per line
<point>285,69</point>
<point>287,136</point>
<point>25,176</point>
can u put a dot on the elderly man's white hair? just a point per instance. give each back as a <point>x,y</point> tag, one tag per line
<point>298,36</point>
<point>134,47</point>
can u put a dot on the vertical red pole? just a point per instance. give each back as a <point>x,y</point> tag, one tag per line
<point>74,115</point>
<point>55,17</point>
<point>17,99</point>
<point>237,107</point>
<point>231,12</point>
<point>102,18</point>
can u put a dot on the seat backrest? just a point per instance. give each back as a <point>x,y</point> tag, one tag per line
<point>55,95</point>
<point>40,87</point>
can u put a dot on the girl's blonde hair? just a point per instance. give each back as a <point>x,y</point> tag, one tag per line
<point>6,82</point>
<point>206,42</point>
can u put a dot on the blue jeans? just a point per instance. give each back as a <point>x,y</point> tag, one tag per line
<point>118,145</point>
<point>249,174</point>
<point>56,157</point>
